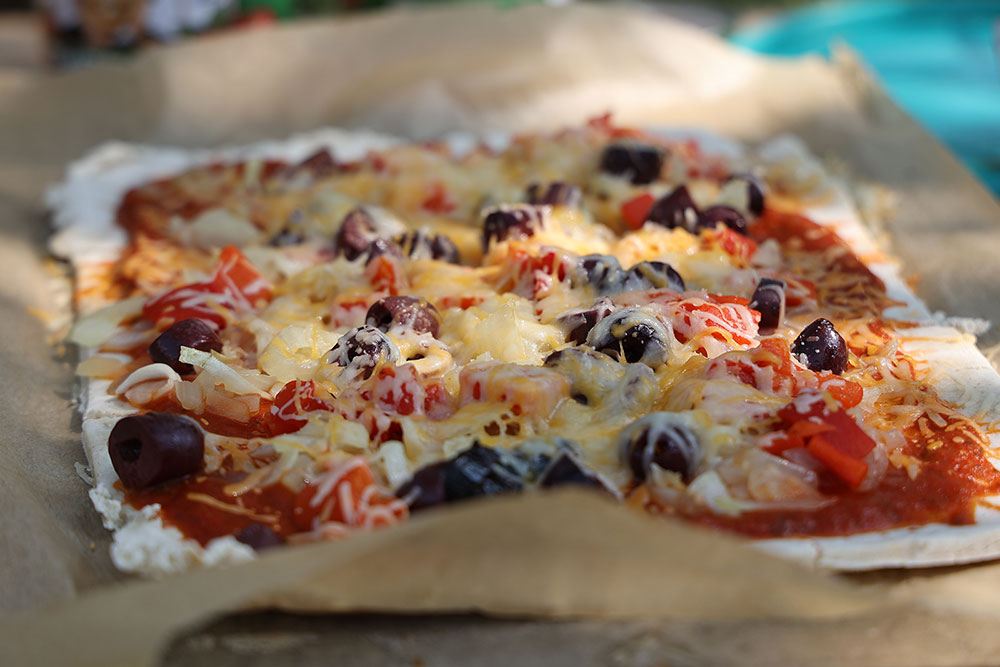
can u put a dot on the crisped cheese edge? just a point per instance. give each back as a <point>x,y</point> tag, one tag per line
<point>84,205</point>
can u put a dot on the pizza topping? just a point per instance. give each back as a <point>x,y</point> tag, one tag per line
<point>258,535</point>
<point>364,348</point>
<point>652,275</point>
<point>676,209</point>
<point>604,272</point>
<point>556,193</point>
<point>356,233</point>
<point>567,469</point>
<point>632,335</point>
<point>746,192</point>
<point>730,217</point>
<point>769,300</point>
<point>235,286</point>
<point>579,322</point>
<point>663,439</point>
<point>380,247</point>
<point>821,348</point>
<point>408,312</point>
<point>418,245</point>
<point>477,471</point>
<point>193,333</point>
<point>154,448</point>
<point>291,405</point>
<point>511,222</point>
<point>640,163</point>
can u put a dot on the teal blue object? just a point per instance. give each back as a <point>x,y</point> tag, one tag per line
<point>939,60</point>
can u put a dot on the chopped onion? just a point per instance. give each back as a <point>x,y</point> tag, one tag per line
<point>221,373</point>
<point>148,383</point>
<point>107,366</point>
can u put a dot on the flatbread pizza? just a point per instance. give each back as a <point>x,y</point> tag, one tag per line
<point>299,340</point>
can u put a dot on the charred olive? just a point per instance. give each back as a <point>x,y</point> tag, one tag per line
<point>511,222</point>
<point>406,311</point>
<point>653,275</point>
<point>195,333</point>
<point>821,348</point>
<point>676,209</point>
<point>728,216</point>
<point>754,190</point>
<point>364,348</point>
<point>477,471</point>
<point>418,245</point>
<point>556,193</point>
<point>259,536</point>
<point>154,448</point>
<point>769,300</point>
<point>632,335</point>
<point>660,439</point>
<point>566,469</point>
<point>578,323</point>
<point>641,163</point>
<point>356,233</point>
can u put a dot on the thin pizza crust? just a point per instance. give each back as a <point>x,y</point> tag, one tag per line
<point>84,207</point>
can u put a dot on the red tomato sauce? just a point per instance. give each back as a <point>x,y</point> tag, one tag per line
<point>952,478</point>
<point>180,507</point>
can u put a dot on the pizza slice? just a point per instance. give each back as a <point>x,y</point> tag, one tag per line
<point>298,341</point>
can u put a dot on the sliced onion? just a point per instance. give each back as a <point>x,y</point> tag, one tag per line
<point>93,329</point>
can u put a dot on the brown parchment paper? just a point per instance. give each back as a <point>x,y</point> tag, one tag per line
<point>419,73</point>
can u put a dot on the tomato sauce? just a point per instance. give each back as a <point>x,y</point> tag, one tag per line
<point>952,479</point>
<point>182,506</point>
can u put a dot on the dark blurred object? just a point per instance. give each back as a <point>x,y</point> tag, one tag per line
<point>939,60</point>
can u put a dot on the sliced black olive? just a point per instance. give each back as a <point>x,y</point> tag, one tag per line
<point>425,488</point>
<point>602,271</point>
<point>195,333</point>
<point>632,335</point>
<point>356,233</point>
<point>511,222</point>
<point>821,348</point>
<point>418,245</point>
<point>477,471</point>
<point>381,247</point>
<point>754,191</point>
<point>364,348</point>
<point>641,163</point>
<point>566,469</point>
<point>556,193</point>
<point>578,323</point>
<point>154,448</point>
<point>653,275</point>
<point>662,439</point>
<point>676,209</point>
<point>406,311</point>
<point>769,300</point>
<point>259,536</point>
<point>728,216</point>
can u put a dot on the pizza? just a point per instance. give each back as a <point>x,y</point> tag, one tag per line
<point>298,341</point>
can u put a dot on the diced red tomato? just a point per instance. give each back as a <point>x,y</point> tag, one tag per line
<point>349,497</point>
<point>635,210</point>
<point>831,436</point>
<point>850,469</point>
<point>385,274</point>
<point>729,241</point>
<point>439,199</point>
<point>236,285</point>
<point>291,403</point>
